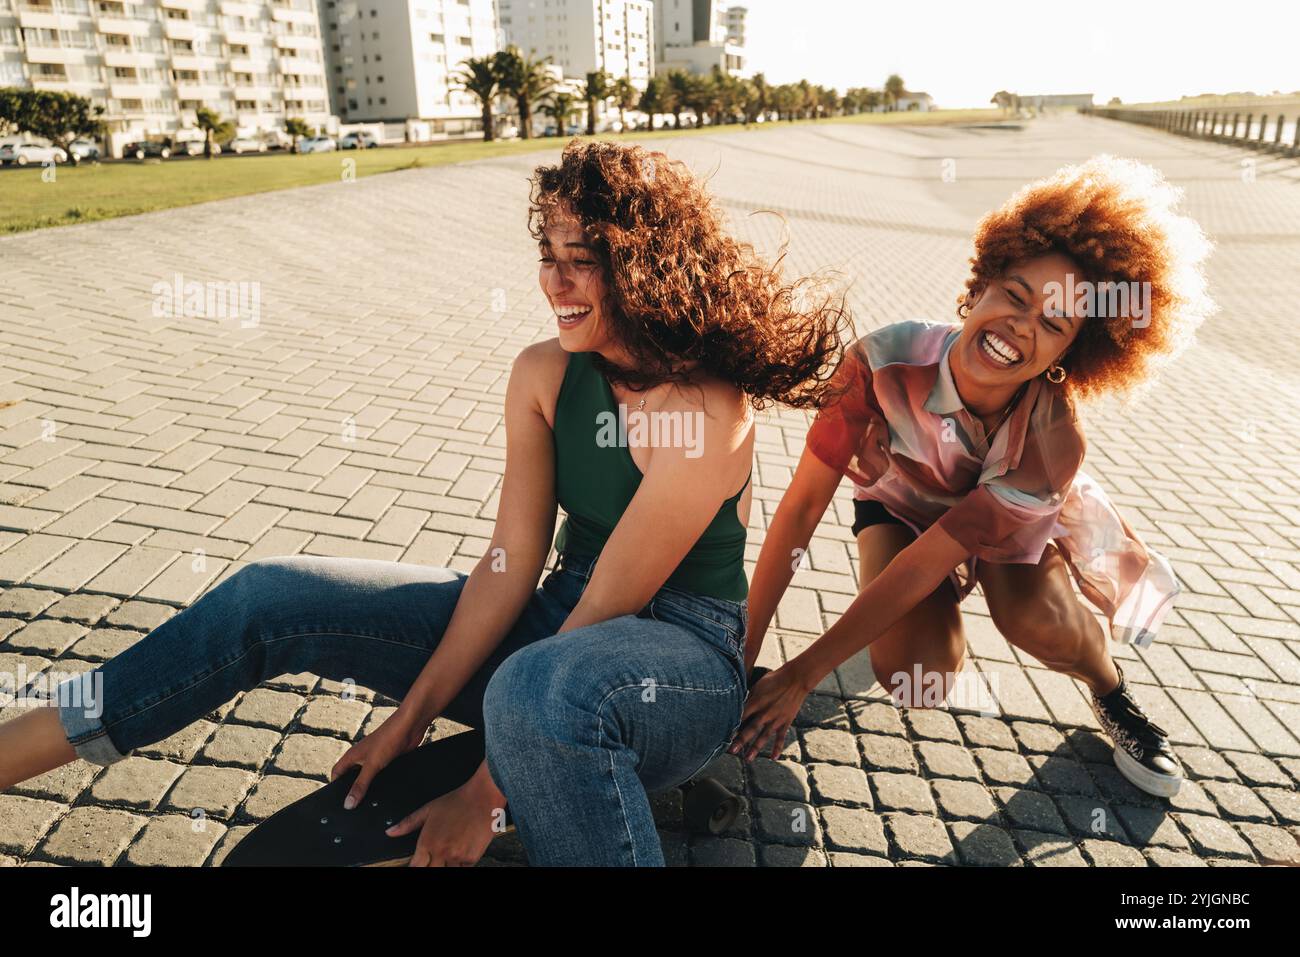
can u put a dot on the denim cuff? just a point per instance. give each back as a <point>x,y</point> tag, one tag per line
<point>80,704</point>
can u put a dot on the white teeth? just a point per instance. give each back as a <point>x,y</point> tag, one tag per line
<point>999,349</point>
<point>567,312</point>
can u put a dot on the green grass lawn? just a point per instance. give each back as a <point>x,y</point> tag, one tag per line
<point>104,191</point>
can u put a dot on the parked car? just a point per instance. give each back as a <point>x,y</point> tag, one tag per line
<point>195,148</point>
<point>162,149</point>
<point>83,150</point>
<point>22,154</point>
<point>245,144</point>
<point>359,140</point>
<point>316,144</point>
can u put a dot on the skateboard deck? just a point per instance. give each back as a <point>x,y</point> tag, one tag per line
<point>316,831</point>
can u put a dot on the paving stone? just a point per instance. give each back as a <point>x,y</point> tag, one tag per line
<point>1048,850</point>
<point>91,835</point>
<point>886,752</point>
<point>1237,801</point>
<point>1192,797</point>
<point>983,845</point>
<point>854,829</point>
<point>932,724</point>
<point>276,791</point>
<point>174,840</point>
<point>823,711</point>
<point>1004,767</point>
<point>226,843</point>
<point>840,784</point>
<point>1257,770</point>
<point>136,782</point>
<point>779,779</point>
<point>183,745</point>
<point>1089,746</point>
<point>1030,810</point>
<point>786,822</point>
<point>781,855</point>
<point>1161,857</point>
<point>1059,774</point>
<point>1148,827</point>
<point>311,755</point>
<point>334,716</point>
<point>921,837</point>
<point>1202,763</point>
<point>241,745</point>
<point>942,759</point>
<point>1110,854</point>
<point>876,718</point>
<point>1284,802</point>
<point>1272,845</point>
<point>105,643</point>
<point>46,637</point>
<point>723,852</point>
<point>829,745</point>
<point>966,800</point>
<point>844,859</point>
<point>1214,838</point>
<point>63,784</point>
<point>26,602</point>
<point>214,791</point>
<point>1114,787</point>
<point>728,770</point>
<point>267,708</point>
<point>987,732</point>
<point>23,821</point>
<point>140,615</point>
<point>86,609</point>
<point>902,792</point>
<point>1090,817</point>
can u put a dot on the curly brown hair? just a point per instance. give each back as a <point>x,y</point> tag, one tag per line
<point>680,288</point>
<point>1117,220</point>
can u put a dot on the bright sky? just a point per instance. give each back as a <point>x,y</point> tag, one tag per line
<point>961,52</point>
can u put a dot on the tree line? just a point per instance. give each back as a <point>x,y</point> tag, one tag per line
<point>715,97</point>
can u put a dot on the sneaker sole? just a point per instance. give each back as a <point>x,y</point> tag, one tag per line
<point>1161,785</point>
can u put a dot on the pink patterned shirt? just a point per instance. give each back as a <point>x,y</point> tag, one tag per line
<point>1003,497</point>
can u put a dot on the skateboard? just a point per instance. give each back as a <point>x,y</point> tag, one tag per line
<point>315,831</point>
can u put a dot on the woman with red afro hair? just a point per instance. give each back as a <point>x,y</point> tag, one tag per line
<point>964,448</point>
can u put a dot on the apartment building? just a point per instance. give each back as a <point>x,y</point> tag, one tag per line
<point>152,63</point>
<point>395,60</point>
<point>697,35</point>
<point>583,36</point>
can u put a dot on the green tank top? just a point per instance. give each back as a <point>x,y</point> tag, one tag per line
<point>595,479</point>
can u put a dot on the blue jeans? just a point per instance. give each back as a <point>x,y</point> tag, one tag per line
<point>578,725</point>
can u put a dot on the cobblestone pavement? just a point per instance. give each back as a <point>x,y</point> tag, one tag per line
<point>145,458</point>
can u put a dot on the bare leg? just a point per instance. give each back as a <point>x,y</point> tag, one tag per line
<point>929,638</point>
<point>1036,610</point>
<point>32,744</point>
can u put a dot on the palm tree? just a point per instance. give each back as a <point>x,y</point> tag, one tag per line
<point>657,98</point>
<point>762,102</point>
<point>679,83</point>
<point>297,128</point>
<point>524,79</point>
<point>894,88</point>
<point>626,96</point>
<point>561,106</point>
<point>596,88</point>
<point>214,128</point>
<point>478,75</point>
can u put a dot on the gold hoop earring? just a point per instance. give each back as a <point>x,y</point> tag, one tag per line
<point>1056,374</point>
<point>963,314</point>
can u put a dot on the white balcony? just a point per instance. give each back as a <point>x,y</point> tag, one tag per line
<point>305,93</point>
<point>131,28</point>
<point>300,67</point>
<point>190,61</point>
<point>178,30</point>
<point>53,55</point>
<point>233,8</point>
<point>128,58</point>
<point>292,42</point>
<point>189,90</point>
<point>184,4</point>
<point>287,15</point>
<point>244,38</point>
<point>129,90</point>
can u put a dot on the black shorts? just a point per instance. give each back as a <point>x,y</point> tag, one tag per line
<point>867,512</point>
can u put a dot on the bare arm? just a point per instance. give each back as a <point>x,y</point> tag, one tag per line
<point>800,510</point>
<point>503,580</point>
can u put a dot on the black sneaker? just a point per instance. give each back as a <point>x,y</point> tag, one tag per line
<point>1142,751</point>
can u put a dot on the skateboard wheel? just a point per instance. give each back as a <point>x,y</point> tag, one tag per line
<point>709,807</point>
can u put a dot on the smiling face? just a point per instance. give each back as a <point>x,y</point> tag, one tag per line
<point>1016,327</point>
<point>573,282</point>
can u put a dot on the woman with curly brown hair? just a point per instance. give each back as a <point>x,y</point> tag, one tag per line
<point>964,448</point>
<point>623,671</point>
